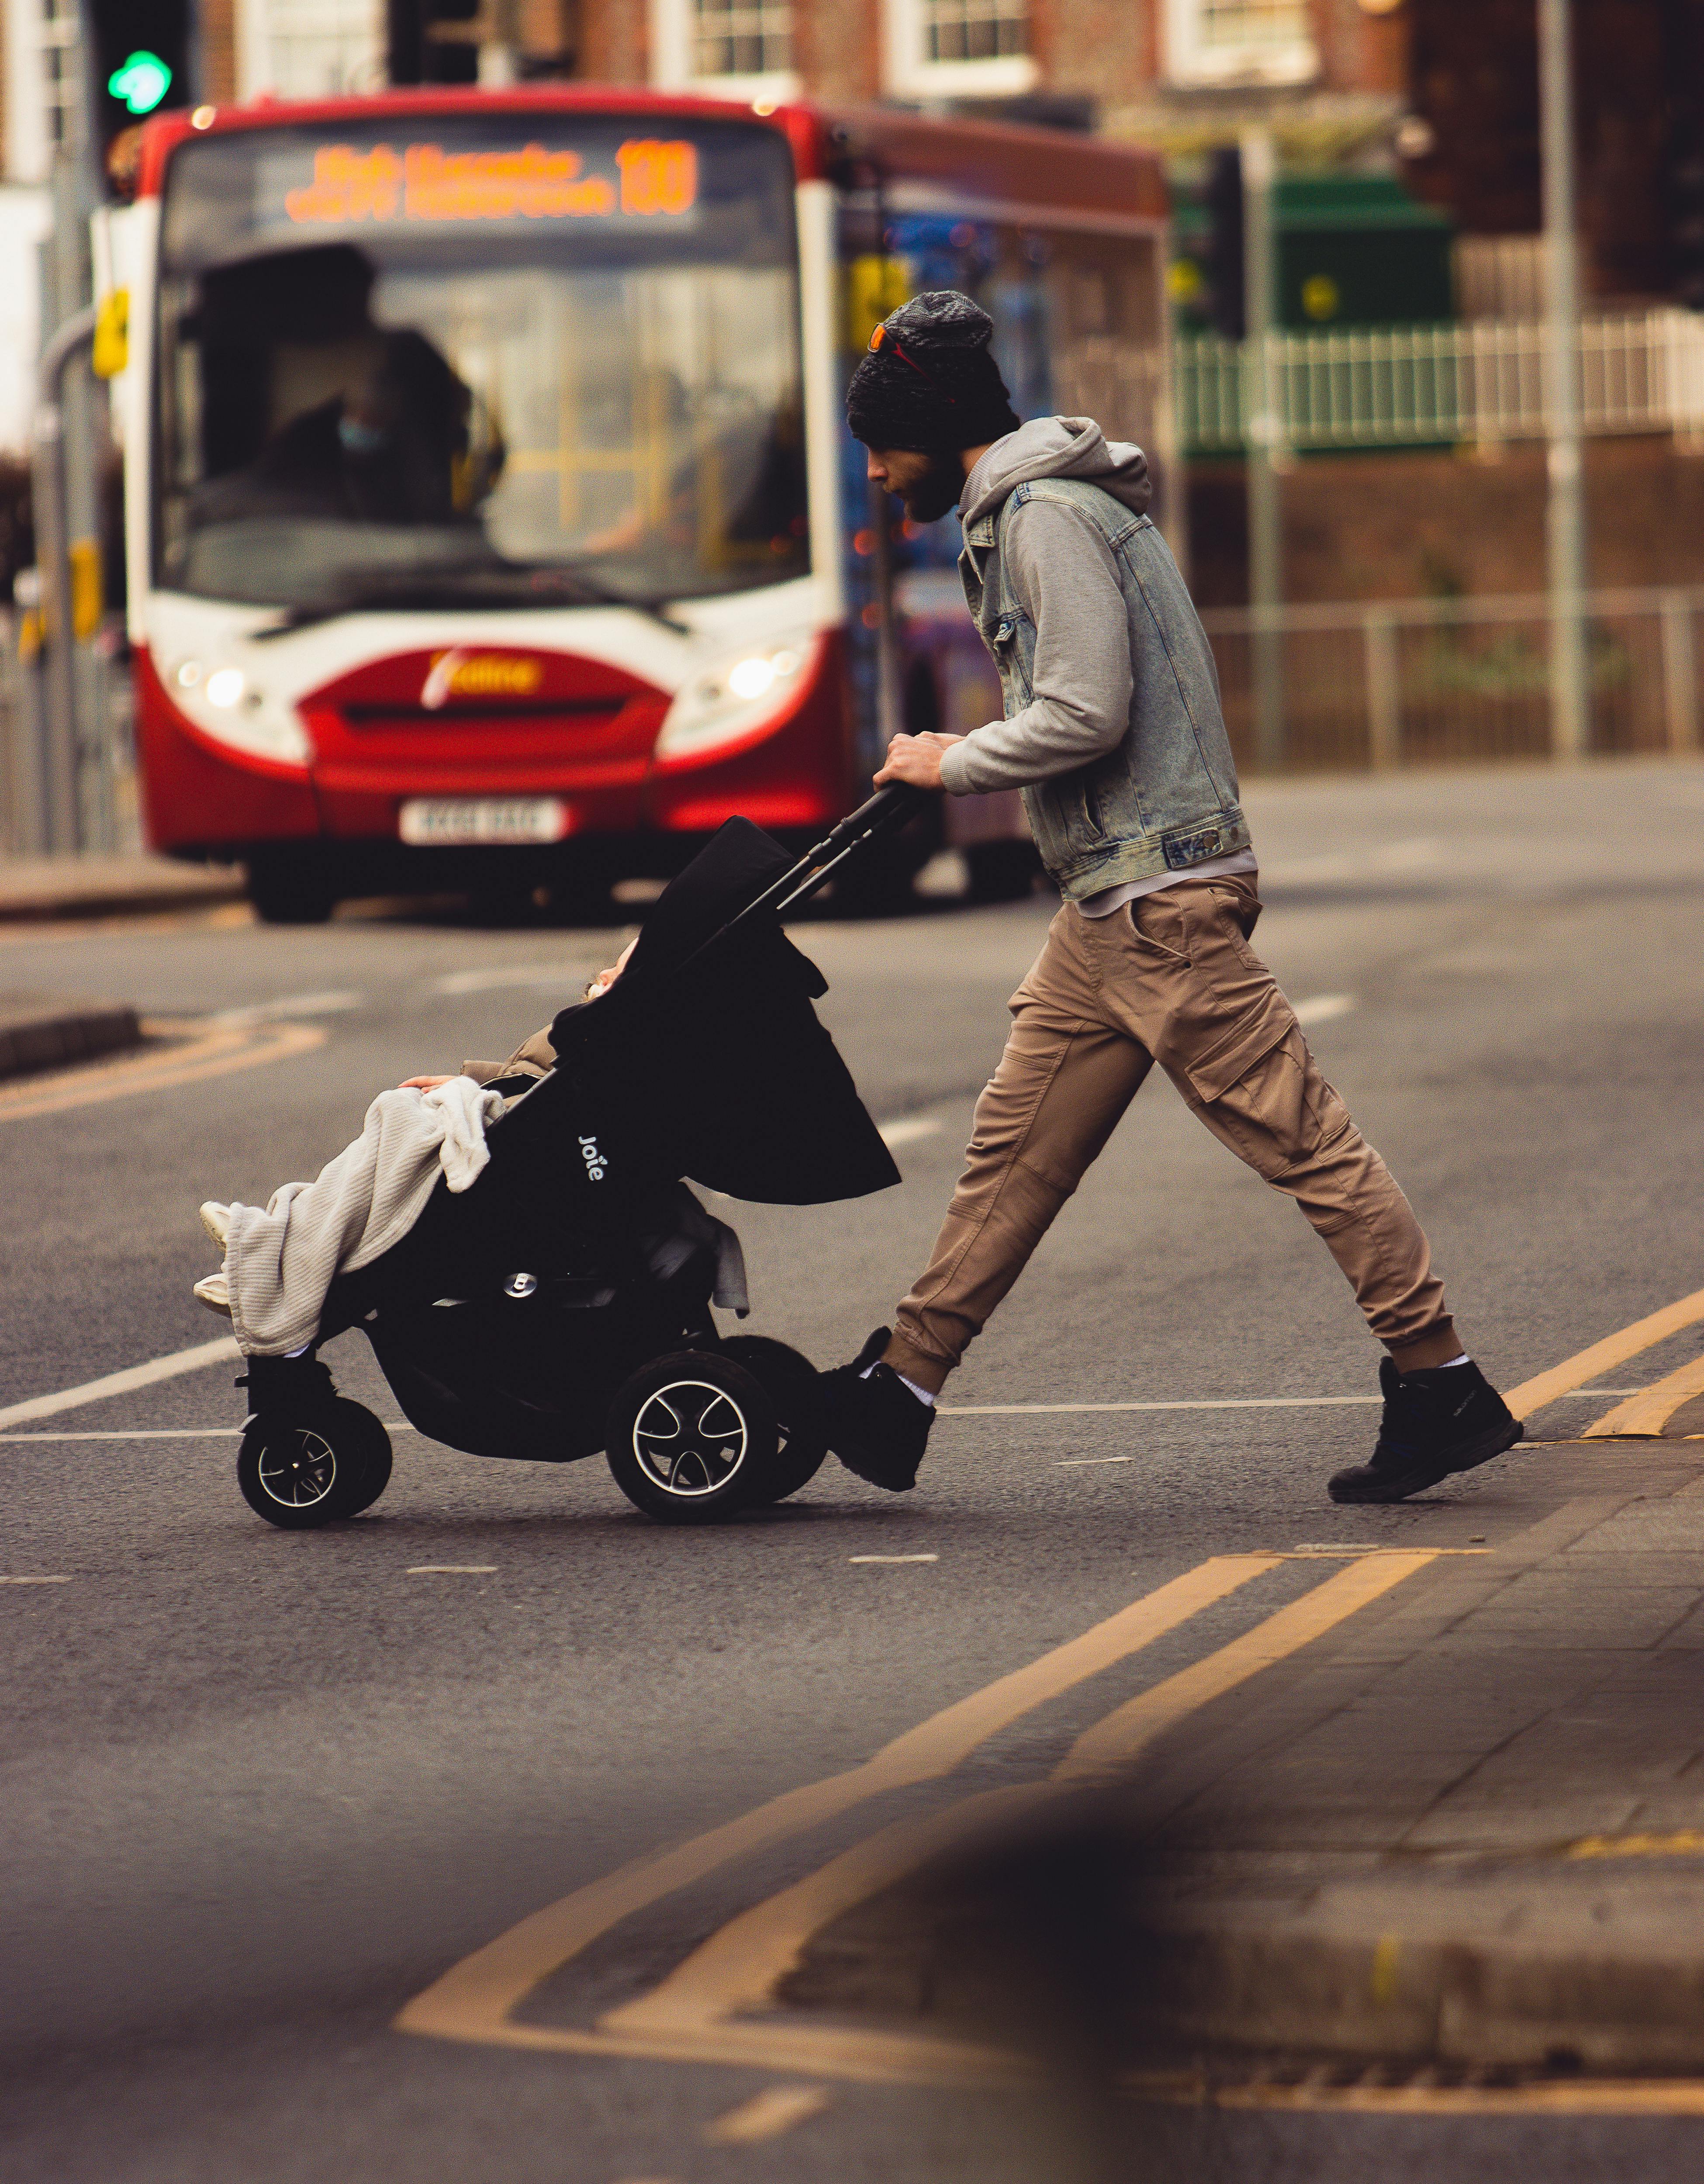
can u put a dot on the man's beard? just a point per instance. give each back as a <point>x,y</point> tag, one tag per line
<point>936,491</point>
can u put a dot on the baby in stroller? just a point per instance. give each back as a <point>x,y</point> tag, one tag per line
<point>520,1245</point>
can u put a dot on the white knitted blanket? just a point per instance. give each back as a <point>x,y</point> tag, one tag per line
<point>280,1259</point>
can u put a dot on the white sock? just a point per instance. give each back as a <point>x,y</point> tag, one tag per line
<point>302,1352</point>
<point>1464,1359</point>
<point>923,1394</point>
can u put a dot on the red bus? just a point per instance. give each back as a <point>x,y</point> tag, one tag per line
<point>493,520</point>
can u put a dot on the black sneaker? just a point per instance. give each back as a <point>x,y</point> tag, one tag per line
<point>876,1426</point>
<point>1446,1419</point>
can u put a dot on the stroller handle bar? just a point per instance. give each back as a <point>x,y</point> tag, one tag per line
<point>888,808</point>
<point>880,814</point>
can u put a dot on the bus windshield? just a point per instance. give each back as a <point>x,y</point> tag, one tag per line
<point>480,361</point>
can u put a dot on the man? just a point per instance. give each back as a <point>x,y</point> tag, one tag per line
<point>1113,732</point>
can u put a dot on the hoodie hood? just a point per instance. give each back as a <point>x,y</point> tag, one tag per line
<point>1057,446</point>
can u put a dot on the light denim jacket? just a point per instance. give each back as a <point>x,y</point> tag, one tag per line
<point>1165,797</point>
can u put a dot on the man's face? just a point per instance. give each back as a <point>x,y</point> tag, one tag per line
<point>929,485</point>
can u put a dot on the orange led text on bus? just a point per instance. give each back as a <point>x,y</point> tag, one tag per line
<point>427,183</point>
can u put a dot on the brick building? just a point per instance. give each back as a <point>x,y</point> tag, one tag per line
<point>1441,94</point>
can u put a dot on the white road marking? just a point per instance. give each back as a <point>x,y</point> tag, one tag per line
<point>453,1569</point>
<point>908,1129</point>
<point>1216,1403</point>
<point>35,1581</point>
<point>768,2115</point>
<point>565,975</point>
<point>1077,1462</point>
<point>1320,1008</point>
<point>221,1350</point>
<point>892,1558</point>
<point>140,1433</point>
<point>172,1433</point>
<point>332,1004</point>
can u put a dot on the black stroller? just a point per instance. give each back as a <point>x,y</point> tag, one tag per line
<point>523,1318</point>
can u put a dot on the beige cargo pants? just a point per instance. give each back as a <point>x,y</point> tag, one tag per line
<point>1170,978</point>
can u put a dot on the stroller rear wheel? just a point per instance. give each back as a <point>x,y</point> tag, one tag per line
<point>299,1473</point>
<point>693,1437</point>
<point>793,1386</point>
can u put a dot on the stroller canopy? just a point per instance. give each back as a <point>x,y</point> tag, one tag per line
<point>714,1052</point>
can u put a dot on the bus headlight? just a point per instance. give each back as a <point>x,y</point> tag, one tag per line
<point>224,703</point>
<point>738,697</point>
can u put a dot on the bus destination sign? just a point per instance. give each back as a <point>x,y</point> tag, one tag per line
<point>653,178</point>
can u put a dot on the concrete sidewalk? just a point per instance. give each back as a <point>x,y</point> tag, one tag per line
<point>38,888</point>
<point>1463,1835</point>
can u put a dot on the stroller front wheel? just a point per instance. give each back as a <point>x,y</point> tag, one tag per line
<point>300,1473</point>
<point>692,1437</point>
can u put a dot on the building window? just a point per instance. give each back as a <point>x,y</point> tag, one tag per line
<point>742,37</point>
<point>958,49</point>
<point>741,47</point>
<point>310,48</point>
<point>975,30</point>
<point>1239,41</point>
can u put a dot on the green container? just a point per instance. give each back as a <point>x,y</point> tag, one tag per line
<point>1353,250</point>
<point>1356,250</point>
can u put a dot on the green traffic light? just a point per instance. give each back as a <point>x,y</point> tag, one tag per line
<point>142,83</point>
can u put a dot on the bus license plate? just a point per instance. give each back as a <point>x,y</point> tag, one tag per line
<point>432,821</point>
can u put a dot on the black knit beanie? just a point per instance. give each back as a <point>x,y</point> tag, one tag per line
<point>929,383</point>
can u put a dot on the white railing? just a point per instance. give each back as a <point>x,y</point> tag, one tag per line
<point>1386,683</point>
<point>1481,381</point>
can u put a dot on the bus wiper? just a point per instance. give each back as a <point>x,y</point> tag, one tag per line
<point>416,590</point>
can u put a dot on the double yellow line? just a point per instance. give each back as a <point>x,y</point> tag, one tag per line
<point>699,2014</point>
<point>702,2012</point>
<point>195,1049</point>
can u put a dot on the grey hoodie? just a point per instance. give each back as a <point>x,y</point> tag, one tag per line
<point>1061,572</point>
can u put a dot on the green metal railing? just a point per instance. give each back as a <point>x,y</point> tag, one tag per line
<point>1481,381</point>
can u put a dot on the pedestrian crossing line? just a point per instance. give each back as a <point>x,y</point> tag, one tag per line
<point>1646,1413</point>
<point>214,1053</point>
<point>475,1999</point>
<point>1604,1355</point>
<point>741,1968</point>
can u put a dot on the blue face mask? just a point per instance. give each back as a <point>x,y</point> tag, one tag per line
<point>359,438</point>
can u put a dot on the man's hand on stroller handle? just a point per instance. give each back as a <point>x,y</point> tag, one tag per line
<point>916,760</point>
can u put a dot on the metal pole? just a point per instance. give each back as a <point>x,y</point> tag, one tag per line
<point>1565,521</point>
<point>1679,672</point>
<point>1264,436</point>
<point>53,558</point>
<point>1383,693</point>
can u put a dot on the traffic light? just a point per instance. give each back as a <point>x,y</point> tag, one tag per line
<point>433,41</point>
<point>141,53</point>
<point>1223,197</point>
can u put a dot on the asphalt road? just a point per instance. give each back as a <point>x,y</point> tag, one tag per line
<point>260,1789</point>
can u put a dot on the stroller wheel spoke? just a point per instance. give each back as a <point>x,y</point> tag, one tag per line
<point>690,1438</point>
<point>298,1469</point>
